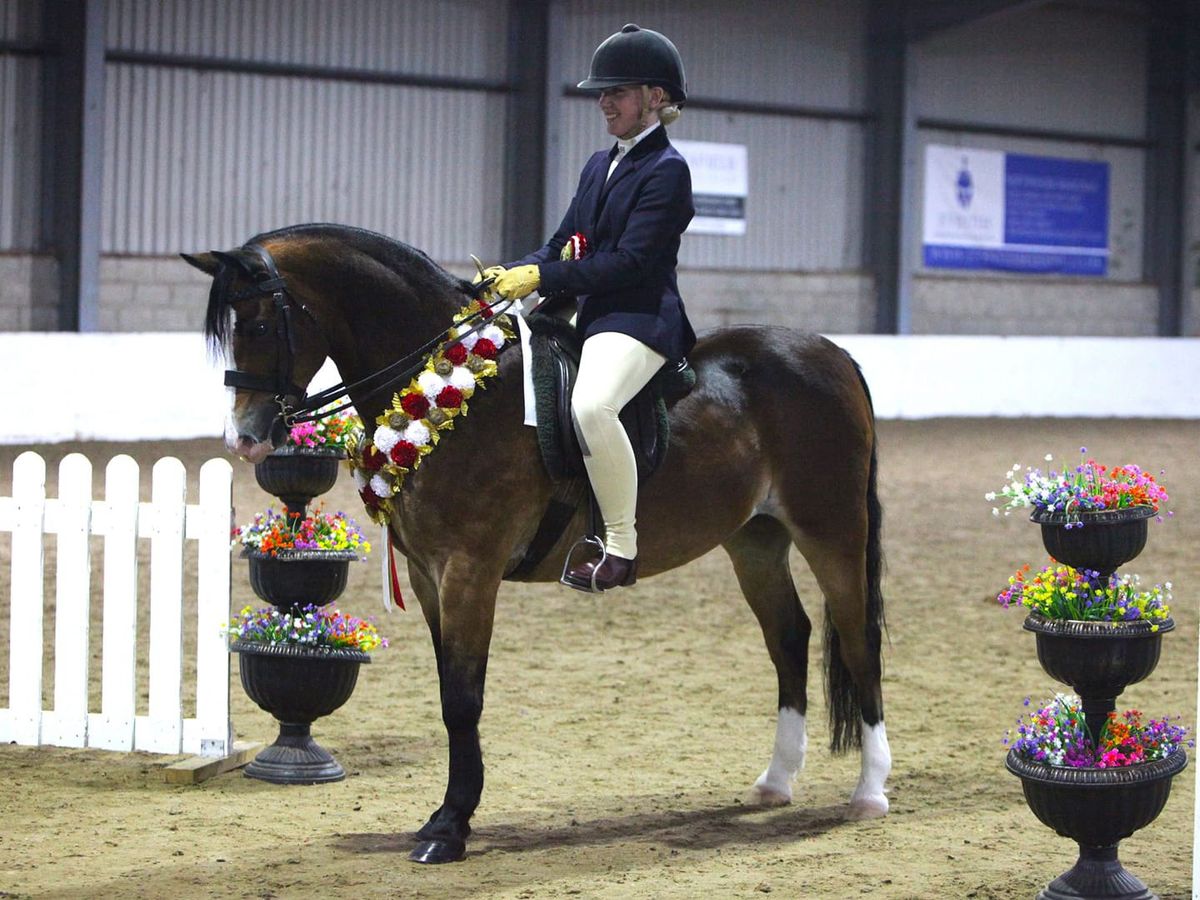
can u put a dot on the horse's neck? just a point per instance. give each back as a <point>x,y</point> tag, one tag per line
<point>384,326</point>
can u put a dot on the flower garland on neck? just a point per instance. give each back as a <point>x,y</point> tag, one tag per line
<point>407,432</point>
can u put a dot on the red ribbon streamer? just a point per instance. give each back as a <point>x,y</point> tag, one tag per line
<point>396,595</point>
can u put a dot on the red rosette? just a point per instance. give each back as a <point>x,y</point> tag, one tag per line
<point>485,349</point>
<point>404,454</point>
<point>456,353</point>
<point>450,397</point>
<point>372,459</point>
<point>416,405</point>
<point>578,244</point>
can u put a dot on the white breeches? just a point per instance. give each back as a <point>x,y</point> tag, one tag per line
<point>612,369</point>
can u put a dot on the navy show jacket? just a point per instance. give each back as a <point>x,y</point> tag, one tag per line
<point>626,282</point>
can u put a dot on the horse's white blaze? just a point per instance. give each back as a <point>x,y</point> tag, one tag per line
<point>774,786</point>
<point>869,799</point>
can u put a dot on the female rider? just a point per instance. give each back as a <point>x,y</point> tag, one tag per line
<point>616,253</point>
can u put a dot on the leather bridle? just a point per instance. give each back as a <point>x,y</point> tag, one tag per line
<point>313,407</point>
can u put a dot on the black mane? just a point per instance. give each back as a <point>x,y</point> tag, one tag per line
<point>419,271</point>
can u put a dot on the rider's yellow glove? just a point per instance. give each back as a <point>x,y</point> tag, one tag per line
<point>489,272</point>
<point>518,282</point>
<point>493,272</point>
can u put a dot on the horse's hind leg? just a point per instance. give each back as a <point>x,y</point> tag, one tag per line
<point>852,663</point>
<point>759,551</point>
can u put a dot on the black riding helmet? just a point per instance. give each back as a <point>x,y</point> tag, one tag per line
<point>637,56</point>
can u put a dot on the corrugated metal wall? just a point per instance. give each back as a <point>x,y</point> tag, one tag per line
<point>1051,68</point>
<point>198,159</point>
<point>804,209</point>
<point>20,129</point>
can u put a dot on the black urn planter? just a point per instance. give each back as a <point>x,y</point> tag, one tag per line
<point>1097,808</point>
<point>295,578</point>
<point>297,685</point>
<point>297,474</point>
<point>1107,539</point>
<point>1097,659</point>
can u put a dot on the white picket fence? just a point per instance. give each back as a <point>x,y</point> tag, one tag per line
<point>121,519</point>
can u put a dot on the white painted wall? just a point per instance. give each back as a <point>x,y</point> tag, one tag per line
<point>60,387</point>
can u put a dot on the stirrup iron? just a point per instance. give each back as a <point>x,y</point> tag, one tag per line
<point>587,540</point>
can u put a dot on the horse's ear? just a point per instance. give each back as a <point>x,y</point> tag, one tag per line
<point>205,262</point>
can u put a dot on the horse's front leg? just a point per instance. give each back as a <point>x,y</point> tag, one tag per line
<point>466,605</point>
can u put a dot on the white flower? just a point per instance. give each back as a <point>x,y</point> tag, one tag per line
<point>995,512</point>
<point>469,340</point>
<point>360,480</point>
<point>417,433</point>
<point>431,383</point>
<point>493,334</point>
<point>380,487</point>
<point>385,439</point>
<point>462,379</point>
<point>990,495</point>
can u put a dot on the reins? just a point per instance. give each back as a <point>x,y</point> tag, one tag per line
<point>309,408</point>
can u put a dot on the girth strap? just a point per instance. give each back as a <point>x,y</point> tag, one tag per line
<point>559,512</point>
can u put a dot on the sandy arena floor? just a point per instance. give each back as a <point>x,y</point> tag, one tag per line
<point>622,732</point>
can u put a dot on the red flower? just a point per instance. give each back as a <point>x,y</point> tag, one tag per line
<point>456,353</point>
<point>450,398</point>
<point>368,498</point>
<point>485,349</point>
<point>416,405</point>
<point>404,454</point>
<point>373,460</point>
<point>485,311</point>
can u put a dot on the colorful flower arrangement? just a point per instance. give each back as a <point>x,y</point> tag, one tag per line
<point>271,532</point>
<point>1056,734</point>
<point>1088,486</point>
<point>330,433</point>
<point>311,626</point>
<point>1061,592</point>
<point>408,431</point>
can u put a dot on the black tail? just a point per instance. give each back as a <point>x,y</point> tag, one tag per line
<point>845,711</point>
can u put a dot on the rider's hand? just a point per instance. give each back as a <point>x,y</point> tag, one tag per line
<point>493,272</point>
<point>518,282</point>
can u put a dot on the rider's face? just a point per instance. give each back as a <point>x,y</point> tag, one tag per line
<point>624,110</point>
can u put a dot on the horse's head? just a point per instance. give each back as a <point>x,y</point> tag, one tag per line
<point>270,341</point>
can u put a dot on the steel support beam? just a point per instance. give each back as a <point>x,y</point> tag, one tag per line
<point>73,138</point>
<point>522,228</point>
<point>1166,130</point>
<point>884,251</point>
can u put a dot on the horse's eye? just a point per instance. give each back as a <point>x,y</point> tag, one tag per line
<point>258,329</point>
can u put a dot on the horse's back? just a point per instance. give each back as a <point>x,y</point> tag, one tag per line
<point>767,371</point>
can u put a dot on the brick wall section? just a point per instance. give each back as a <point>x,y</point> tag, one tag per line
<point>28,293</point>
<point>1062,307</point>
<point>831,303</point>
<point>141,293</point>
<point>166,294</point>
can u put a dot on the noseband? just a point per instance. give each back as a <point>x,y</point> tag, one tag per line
<point>313,407</point>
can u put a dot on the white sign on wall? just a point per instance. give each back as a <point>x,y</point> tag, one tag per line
<point>720,184</point>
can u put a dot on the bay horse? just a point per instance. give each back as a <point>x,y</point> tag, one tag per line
<point>774,448</point>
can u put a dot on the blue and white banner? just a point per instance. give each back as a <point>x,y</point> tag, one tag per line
<point>985,209</point>
<point>720,183</point>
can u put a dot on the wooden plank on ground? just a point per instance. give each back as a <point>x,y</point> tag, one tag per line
<point>196,769</point>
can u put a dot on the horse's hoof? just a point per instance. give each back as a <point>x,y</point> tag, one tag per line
<point>763,794</point>
<point>868,807</point>
<point>439,851</point>
<point>772,790</point>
